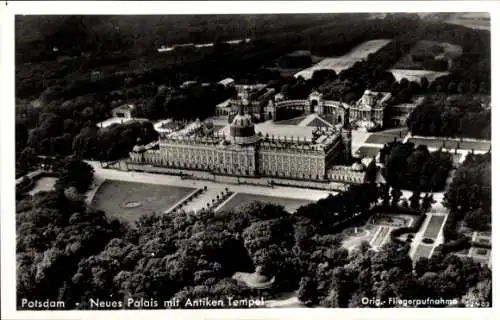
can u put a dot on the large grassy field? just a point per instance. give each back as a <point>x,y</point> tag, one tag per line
<point>431,49</point>
<point>475,20</point>
<point>346,61</point>
<point>113,196</point>
<point>242,199</point>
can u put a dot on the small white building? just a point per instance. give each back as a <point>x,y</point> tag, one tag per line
<point>124,111</point>
<point>228,82</point>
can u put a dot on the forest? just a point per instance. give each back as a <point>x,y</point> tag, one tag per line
<point>469,195</point>
<point>84,254</point>
<point>453,116</point>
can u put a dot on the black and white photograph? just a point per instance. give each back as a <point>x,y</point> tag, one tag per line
<point>297,160</point>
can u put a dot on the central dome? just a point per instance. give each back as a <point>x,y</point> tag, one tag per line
<point>242,128</point>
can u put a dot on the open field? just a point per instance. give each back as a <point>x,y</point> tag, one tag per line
<point>416,75</point>
<point>427,50</point>
<point>129,200</point>
<point>241,199</point>
<point>346,61</point>
<point>474,20</point>
<point>367,152</point>
<point>43,184</point>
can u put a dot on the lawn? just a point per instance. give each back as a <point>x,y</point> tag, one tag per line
<point>346,61</point>
<point>475,20</point>
<point>430,143</point>
<point>113,197</point>
<point>382,138</point>
<point>367,152</point>
<point>468,145</point>
<point>434,227</point>
<point>422,251</point>
<point>43,184</point>
<point>379,237</point>
<point>427,50</point>
<point>241,199</point>
<point>416,75</point>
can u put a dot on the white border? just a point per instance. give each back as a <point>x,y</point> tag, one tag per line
<point>7,198</point>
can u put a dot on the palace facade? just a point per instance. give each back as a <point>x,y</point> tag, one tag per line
<point>244,152</point>
<point>372,110</point>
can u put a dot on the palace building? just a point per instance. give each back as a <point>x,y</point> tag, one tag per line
<point>243,148</point>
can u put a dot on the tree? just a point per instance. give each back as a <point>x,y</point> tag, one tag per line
<point>75,173</point>
<point>307,291</point>
<point>28,157</point>
<point>478,219</point>
<point>415,200</point>
<point>396,195</point>
<point>421,266</point>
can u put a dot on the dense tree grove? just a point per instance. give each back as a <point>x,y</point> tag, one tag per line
<point>83,255</point>
<point>60,134</point>
<point>469,194</point>
<point>415,168</point>
<point>196,101</point>
<point>455,116</point>
<point>73,173</point>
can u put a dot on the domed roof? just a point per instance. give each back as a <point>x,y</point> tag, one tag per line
<point>242,120</point>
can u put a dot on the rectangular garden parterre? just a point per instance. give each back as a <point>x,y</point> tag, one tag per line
<point>241,199</point>
<point>434,227</point>
<point>130,200</point>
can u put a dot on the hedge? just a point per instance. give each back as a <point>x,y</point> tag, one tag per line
<point>413,229</point>
<point>453,246</point>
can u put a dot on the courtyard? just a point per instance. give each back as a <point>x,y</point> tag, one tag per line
<point>130,200</point>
